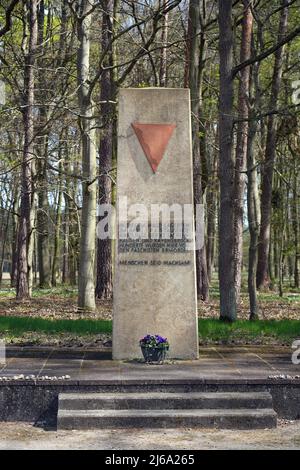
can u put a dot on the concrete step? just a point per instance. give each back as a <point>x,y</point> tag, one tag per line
<point>161,400</point>
<point>140,418</point>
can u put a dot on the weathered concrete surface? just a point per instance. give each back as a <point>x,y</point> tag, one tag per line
<point>164,401</point>
<point>39,402</point>
<point>157,299</point>
<point>24,436</point>
<point>219,369</point>
<point>166,410</point>
<point>223,419</point>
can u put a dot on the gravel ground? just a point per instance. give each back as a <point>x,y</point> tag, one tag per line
<point>25,436</point>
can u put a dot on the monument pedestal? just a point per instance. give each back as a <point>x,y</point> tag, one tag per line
<point>154,277</point>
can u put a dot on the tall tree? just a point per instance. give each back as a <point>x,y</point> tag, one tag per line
<point>241,145</point>
<point>196,46</point>
<point>86,281</point>
<point>262,275</point>
<point>253,203</point>
<point>23,290</point>
<point>212,206</point>
<point>107,98</point>
<point>226,166</point>
<point>43,148</point>
<point>163,54</point>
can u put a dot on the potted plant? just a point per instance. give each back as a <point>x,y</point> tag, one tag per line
<point>154,348</point>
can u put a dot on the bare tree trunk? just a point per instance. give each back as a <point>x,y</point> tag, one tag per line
<point>43,220</point>
<point>274,245</point>
<point>74,230</point>
<point>23,288</point>
<point>226,239</point>
<point>66,277</point>
<point>5,237</point>
<point>211,204</point>
<point>201,258</point>
<point>86,283</point>
<point>295,210</point>
<point>42,183</point>
<point>262,277</point>
<point>56,265</point>
<point>71,230</point>
<point>14,242</point>
<point>253,204</point>
<point>195,82</point>
<point>107,95</point>
<point>283,234</point>
<point>164,41</point>
<point>241,148</point>
<point>32,236</point>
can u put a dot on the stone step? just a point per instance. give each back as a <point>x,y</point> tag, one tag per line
<point>161,400</point>
<point>140,418</point>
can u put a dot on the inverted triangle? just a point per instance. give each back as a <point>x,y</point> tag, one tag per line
<point>154,139</point>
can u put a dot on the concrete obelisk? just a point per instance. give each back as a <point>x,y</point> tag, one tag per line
<point>154,279</point>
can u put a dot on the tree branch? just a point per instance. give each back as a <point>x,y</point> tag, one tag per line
<point>8,19</point>
<point>266,53</point>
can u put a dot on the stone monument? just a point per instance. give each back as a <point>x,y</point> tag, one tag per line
<point>154,274</point>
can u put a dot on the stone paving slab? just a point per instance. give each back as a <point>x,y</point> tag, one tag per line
<point>214,363</point>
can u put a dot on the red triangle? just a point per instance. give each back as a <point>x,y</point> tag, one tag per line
<point>154,139</point>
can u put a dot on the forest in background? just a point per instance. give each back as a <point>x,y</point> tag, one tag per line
<point>62,64</point>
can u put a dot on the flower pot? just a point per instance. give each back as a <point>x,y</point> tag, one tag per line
<point>155,354</point>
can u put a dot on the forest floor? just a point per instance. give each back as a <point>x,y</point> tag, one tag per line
<point>61,302</point>
<point>59,306</point>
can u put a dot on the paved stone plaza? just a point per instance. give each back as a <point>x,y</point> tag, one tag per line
<point>215,363</point>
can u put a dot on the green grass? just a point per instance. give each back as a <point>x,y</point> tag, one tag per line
<point>214,330</point>
<point>288,298</point>
<point>19,325</point>
<point>60,291</point>
<point>209,329</point>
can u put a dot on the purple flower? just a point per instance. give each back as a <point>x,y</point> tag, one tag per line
<point>153,340</point>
